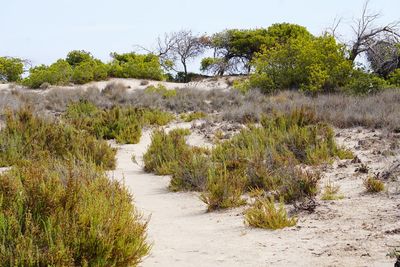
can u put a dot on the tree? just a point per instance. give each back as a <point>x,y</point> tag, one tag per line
<point>310,64</point>
<point>11,69</point>
<point>367,35</point>
<point>235,49</point>
<point>76,57</point>
<point>181,46</point>
<point>384,57</point>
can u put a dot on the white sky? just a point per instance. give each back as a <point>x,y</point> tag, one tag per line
<point>45,30</point>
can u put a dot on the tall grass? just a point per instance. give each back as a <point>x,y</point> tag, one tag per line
<point>59,213</point>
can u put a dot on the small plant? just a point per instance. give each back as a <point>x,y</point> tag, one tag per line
<point>331,192</point>
<point>362,169</point>
<point>373,185</point>
<point>165,151</point>
<point>224,189</point>
<point>188,117</point>
<point>264,214</point>
<point>160,90</point>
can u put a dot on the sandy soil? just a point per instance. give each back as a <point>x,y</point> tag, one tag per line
<point>358,230</point>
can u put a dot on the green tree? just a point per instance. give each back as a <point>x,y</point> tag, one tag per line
<point>308,63</point>
<point>76,57</point>
<point>11,69</point>
<point>58,73</point>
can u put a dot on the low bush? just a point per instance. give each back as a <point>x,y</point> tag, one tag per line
<point>58,73</point>
<point>224,189</point>
<point>61,213</point>
<point>394,77</point>
<point>373,185</point>
<point>362,83</point>
<point>165,151</point>
<point>26,136</point>
<point>188,117</point>
<point>160,90</point>
<point>264,214</point>
<point>123,124</point>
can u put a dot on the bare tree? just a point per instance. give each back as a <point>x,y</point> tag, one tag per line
<point>367,34</point>
<point>384,57</point>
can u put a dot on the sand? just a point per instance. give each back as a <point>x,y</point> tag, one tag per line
<point>358,230</point>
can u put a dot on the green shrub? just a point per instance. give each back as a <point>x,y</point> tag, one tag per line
<point>308,63</point>
<point>123,124</point>
<point>131,65</point>
<point>191,172</point>
<point>58,73</point>
<point>394,77</point>
<point>188,117</point>
<point>11,69</point>
<point>165,151</point>
<point>55,213</point>
<point>224,189</point>
<point>264,214</point>
<point>373,185</point>
<point>160,90</point>
<point>28,137</point>
<point>76,57</point>
<point>362,83</point>
<point>88,71</point>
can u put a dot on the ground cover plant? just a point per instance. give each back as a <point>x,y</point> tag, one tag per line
<point>122,124</point>
<point>66,213</point>
<point>26,136</point>
<point>265,157</point>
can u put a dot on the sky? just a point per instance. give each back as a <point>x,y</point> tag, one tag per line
<point>43,31</point>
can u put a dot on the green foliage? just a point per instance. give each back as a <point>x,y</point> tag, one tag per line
<point>394,77</point>
<point>235,49</point>
<point>264,214</point>
<point>123,124</point>
<point>224,189</point>
<point>165,151</point>
<point>59,213</point>
<point>160,90</point>
<point>58,73</point>
<point>331,192</point>
<point>308,63</point>
<point>11,69</point>
<point>88,71</point>
<point>131,65</point>
<point>192,171</point>
<point>28,137</point>
<point>76,57</point>
<point>188,117</point>
<point>362,83</point>
<point>373,185</point>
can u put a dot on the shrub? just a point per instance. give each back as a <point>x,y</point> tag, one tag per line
<point>160,90</point>
<point>123,124</point>
<point>224,189</point>
<point>88,71</point>
<point>331,192</point>
<point>131,65</point>
<point>76,57</point>
<point>11,69</point>
<point>188,117</point>
<point>28,137</point>
<point>373,185</point>
<point>191,172</point>
<point>264,214</point>
<point>55,213</point>
<point>58,73</point>
<point>362,83</point>
<point>394,77</point>
<point>165,150</point>
<point>308,63</point>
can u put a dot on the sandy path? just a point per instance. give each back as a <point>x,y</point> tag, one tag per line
<point>340,233</point>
